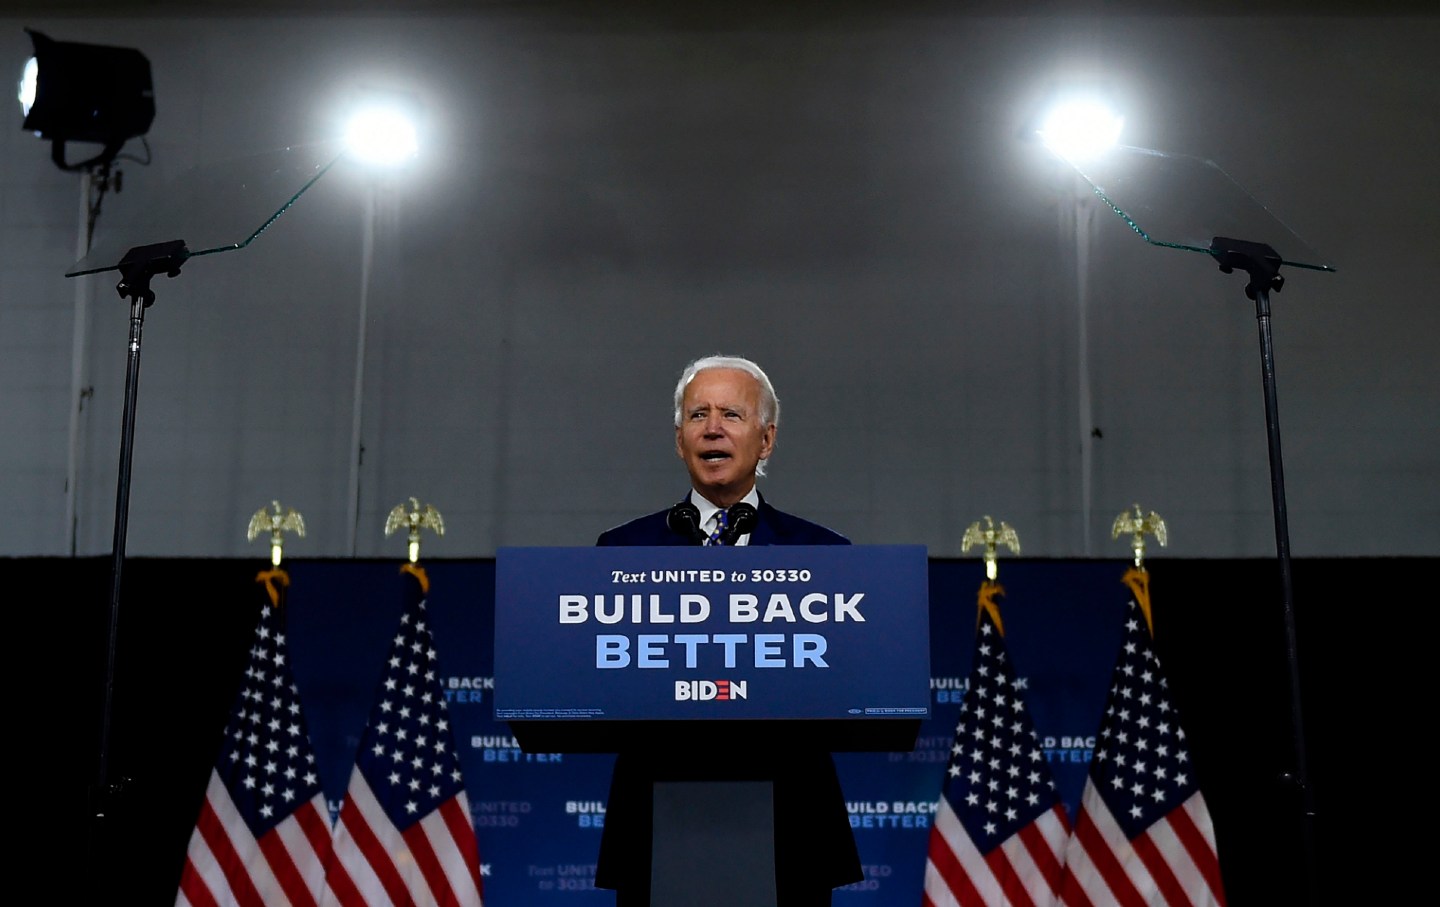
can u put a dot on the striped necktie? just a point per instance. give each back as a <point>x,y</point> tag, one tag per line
<point>721,521</point>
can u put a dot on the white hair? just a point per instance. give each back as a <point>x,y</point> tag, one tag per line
<point>769,403</point>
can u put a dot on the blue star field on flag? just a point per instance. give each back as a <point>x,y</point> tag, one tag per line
<point>266,760</point>
<point>1141,764</point>
<point>408,754</point>
<point>998,780</point>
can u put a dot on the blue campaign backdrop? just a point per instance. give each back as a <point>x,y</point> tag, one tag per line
<point>538,815</point>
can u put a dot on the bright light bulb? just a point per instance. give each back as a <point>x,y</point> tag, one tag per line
<point>382,135</point>
<point>1081,129</point>
<point>27,84</point>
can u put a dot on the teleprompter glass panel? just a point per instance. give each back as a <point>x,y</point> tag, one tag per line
<point>215,207</point>
<point>1186,202</point>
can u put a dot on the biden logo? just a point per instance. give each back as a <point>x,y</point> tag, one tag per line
<point>705,690</point>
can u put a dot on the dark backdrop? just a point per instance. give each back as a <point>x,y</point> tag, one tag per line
<point>184,627</point>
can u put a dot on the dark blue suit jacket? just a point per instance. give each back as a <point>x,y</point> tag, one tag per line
<point>814,847</point>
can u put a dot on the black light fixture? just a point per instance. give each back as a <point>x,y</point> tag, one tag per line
<point>74,92</point>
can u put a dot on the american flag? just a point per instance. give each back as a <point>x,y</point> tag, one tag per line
<point>263,833</point>
<point>1000,827</point>
<point>405,835</point>
<point>1143,834</point>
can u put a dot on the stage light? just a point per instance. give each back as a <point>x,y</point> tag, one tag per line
<point>72,92</point>
<point>382,131</point>
<point>1077,128</point>
<point>27,85</point>
<point>1076,122</point>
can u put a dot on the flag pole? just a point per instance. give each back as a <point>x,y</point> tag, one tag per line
<point>1143,832</point>
<point>980,852</point>
<point>262,843</point>
<point>380,835</point>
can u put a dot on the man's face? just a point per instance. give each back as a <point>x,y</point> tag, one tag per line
<point>721,437</point>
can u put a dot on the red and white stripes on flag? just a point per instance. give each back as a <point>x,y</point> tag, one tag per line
<point>405,836</point>
<point>1021,871</point>
<point>1143,835</point>
<point>1000,828</point>
<point>1172,862</point>
<point>430,862</point>
<point>263,834</point>
<point>226,864</point>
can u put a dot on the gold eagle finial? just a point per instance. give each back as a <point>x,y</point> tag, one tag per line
<point>414,519</point>
<point>990,537</point>
<point>1137,525</point>
<point>276,523</point>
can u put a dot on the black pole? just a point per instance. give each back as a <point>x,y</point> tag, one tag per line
<point>122,507</point>
<point>1262,263</point>
<point>137,267</point>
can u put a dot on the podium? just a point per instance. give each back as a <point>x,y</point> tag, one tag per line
<point>723,678</point>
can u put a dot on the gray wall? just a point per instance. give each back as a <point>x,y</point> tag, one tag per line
<point>847,202</point>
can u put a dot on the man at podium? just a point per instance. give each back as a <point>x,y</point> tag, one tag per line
<point>726,418</point>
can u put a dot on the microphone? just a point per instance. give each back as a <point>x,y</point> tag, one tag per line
<point>742,519</point>
<point>684,520</point>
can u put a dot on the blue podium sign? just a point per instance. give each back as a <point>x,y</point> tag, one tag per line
<point>830,632</point>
